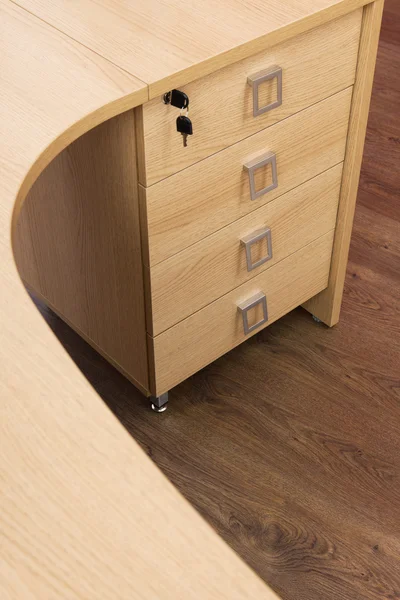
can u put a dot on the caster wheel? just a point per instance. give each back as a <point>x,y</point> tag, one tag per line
<point>159,403</point>
<point>159,409</point>
<point>316,319</point>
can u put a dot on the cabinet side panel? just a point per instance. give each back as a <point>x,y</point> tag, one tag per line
<point>326,305</point>
<point>78,243</point>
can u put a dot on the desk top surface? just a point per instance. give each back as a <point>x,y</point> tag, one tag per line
<point>166,43</point>
<point>84,513</point>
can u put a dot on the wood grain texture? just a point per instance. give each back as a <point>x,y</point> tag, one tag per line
<point>83,511</point>
<point>205,271</point>
<point>327,305</point>
<point>290,444</point>
<point>78,243</point>
<point>170,43</point>
<point>194,203</point>
<point>206,335</point>
<point>38,297</point>
<point>315,65</point>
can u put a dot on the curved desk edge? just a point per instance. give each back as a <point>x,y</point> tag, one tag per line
<point>84,512</point>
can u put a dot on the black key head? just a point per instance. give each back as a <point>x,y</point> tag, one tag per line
<point>184,125</point>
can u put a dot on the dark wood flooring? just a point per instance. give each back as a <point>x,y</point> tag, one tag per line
<point>290,444</point>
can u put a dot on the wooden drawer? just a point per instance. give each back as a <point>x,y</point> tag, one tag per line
<point>217,264</point>
<point>314,65</point>
<point>207,334</point>
<point>194,203</point>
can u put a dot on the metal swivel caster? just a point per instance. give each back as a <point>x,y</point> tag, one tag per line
<point>316,319</point>
<point>159,403</point>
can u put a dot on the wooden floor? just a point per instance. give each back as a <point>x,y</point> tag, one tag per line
<point>290,444</point>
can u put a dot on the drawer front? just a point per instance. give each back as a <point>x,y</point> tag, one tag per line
<point>191,279</point>
<point>311,67</point>
<point>194,203</point>
<point>204,336</point>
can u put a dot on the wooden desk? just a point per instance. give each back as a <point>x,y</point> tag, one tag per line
<point>84,513</point>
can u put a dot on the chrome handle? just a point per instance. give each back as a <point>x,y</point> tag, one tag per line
<point>256,80</point>
<point>252,166</point>
<point>247,305</point>
<point>253,238</point>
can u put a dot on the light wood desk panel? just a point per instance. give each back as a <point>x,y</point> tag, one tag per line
<point>191,40</point>
<point>77,243</point>
<point>84,514</point>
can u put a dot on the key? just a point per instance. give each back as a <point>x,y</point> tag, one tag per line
<point>185,127</point>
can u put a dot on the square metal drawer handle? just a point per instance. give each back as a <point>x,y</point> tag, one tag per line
<point>256,80</point>
<point>253,238</point>
<point>247,305</point>
<point>252,166</point>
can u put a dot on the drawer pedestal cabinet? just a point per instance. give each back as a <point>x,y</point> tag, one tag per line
<point>164,257</point>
